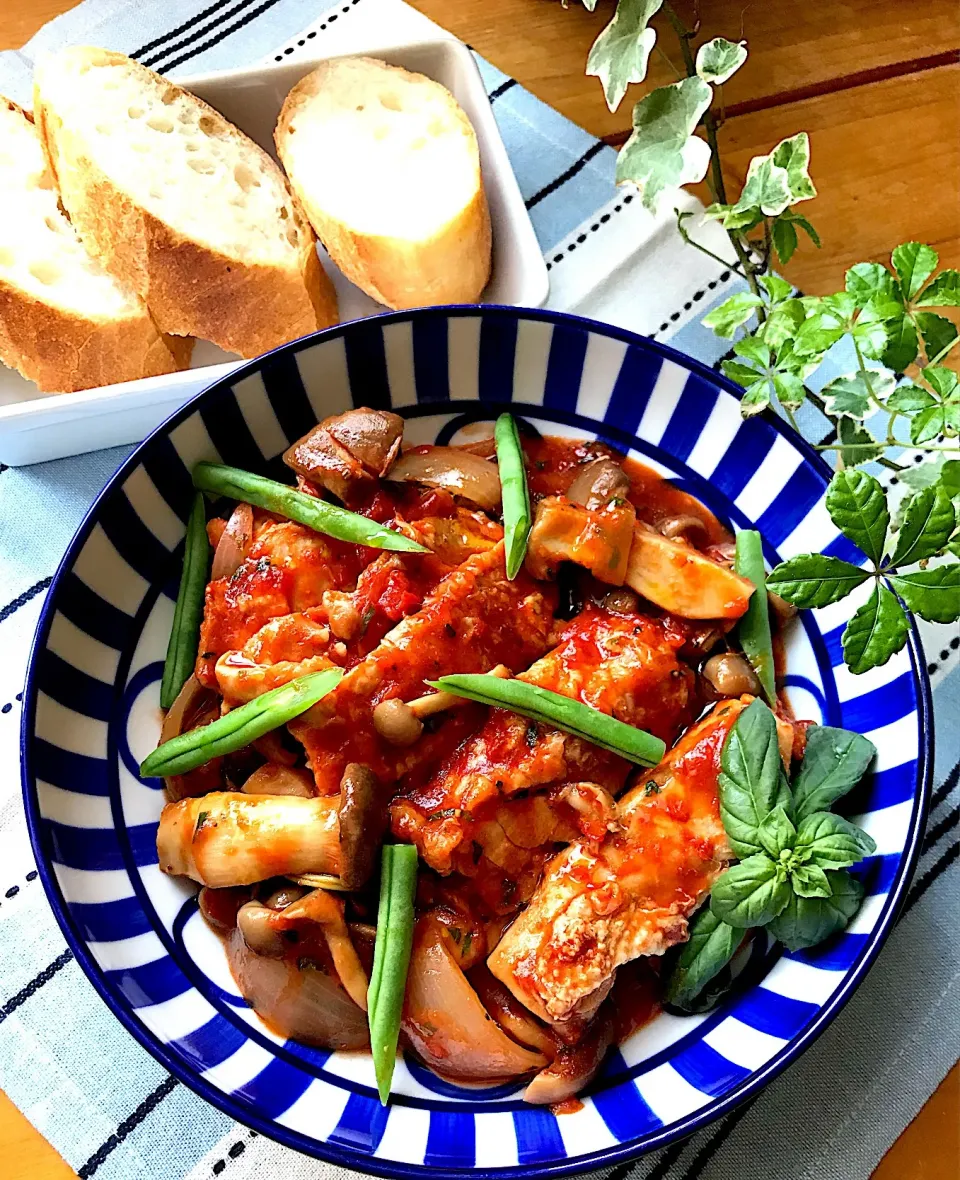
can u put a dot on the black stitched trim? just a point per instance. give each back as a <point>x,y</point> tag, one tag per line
<point>35,984</point>
<point>577,166</point>
<point>502,89</point>
<point>950,820</point>
<point>24,598</point>
<point>945,787</point>
<point>322,28</point>
<point>706,1153</point>
<point>222,36</point>
<point>668,1159</point>
<point>149,1104</point>
<point>235,1149</point>
<point>598,224</point>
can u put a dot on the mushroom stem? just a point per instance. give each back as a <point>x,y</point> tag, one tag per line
<point>437,702</point>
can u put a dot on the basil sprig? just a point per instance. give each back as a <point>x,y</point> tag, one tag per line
<point>930,528</point>
<point>794,852</point>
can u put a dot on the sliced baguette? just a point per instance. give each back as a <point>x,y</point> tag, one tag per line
<point>179,204</point>
<point>388,169</point>
<point>65,324</point>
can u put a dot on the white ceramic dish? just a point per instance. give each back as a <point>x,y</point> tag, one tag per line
<point>35,427</point>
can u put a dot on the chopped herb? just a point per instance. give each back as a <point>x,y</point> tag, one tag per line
<point>456,934</point>
<point>651,788</point>
<point>202,818</point>
<point>467,942</point>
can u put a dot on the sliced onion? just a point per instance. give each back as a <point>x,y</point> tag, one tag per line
<point>271,779</point>
<point>194,705</point>
<point>234,545</point>
<point>460,472</point>
<point>298,1000</point>
<point>575,1065</point>
<point>510,1014</point>
<point>446,1023</point>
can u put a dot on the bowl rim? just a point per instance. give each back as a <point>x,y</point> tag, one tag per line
<point>715,1108</point>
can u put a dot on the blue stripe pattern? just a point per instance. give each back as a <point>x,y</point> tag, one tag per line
<point>114,702</point>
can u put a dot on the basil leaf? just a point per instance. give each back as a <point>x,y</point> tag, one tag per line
<point>732,313</point>
<point>752,782</point>
<point>805,921</point>
<point>620,54</point>
<point>857,505</point>
<point>944,291</point>
<point>750,893</point>
<point>914,264</point>
<point>711,946</point>
<point>813,579</point>
<point>809,881</point>
<point>834,761</point>
<point>876,632</point>
<point>933,594</point>
<point>929,521</point>
<point>719,59</point>
<point>776,832</point>
<point>937,332</point>
<point>832,841</point>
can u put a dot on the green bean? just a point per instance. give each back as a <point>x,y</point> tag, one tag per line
<point>754,628</point>
<point>316,514</point>
<point>551,708</point>
<point>391,959</point>
<point>182,647</point>
<point>516,496</point>
<point>240,726</point>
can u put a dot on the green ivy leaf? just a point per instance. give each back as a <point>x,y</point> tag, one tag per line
<point>929,520</point>
<point>776,832</point>
<point>927,424</point>
<point>937,332</point>
<point>944,291</point>
<point>869,281</point>
<point>933,594</point>
<point>857,505</point>
<point>804,922</point>
<point>620,54</point>
<point>908,399</point>
<point>834,761</point>
<point>752,781</point>
<point>750,893</point>
<point>950,475</point>
<point>856,444</point>
<point>809,880</point>
<point>718,60</point>
<point>944,381</point>
<point>746,219</point>
<point>766,188</point>
<point>914,264</point>
<point>732,313</point>
<point>832,841</point>
<point>710,947</point>
<point>793,154</point>
<point>790,390</point>
<point>871,328</point>
<point>781,326</point>
<point>778,289</point>
<point>784,240</point>
<point>795,218</point>
<point>662,149</point>
<point>849,396</point>
<point>814,579</point>
<point>876,632</point>
<point>828,319</point>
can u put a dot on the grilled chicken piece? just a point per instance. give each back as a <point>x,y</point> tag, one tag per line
<point>624,665</point>
<point>229,838</point>
<point>682,580</point>
<point>599,539</point>
<point>597,908</point>
<point>473,620</point>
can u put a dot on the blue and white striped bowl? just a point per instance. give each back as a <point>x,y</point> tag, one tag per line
<point>91,713</point>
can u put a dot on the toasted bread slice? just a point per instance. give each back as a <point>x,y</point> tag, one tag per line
<point>65,324</point>
<point>179,204</point>
<point>388,169</point>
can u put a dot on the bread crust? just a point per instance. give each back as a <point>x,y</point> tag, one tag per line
<point>450,266</point>
<point>63,351</point>
<point>191,288</point>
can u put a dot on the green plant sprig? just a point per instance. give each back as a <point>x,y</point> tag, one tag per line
<point>929,528</point>
<point>792,876</point>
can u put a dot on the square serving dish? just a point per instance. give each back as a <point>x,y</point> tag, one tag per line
<point>35,426</point>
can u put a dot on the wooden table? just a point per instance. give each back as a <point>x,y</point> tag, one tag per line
<point>877,85</point>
